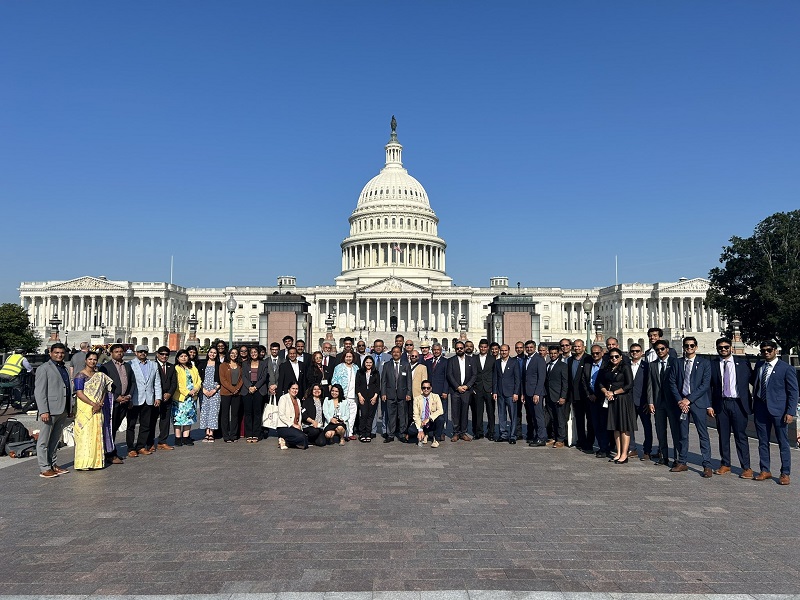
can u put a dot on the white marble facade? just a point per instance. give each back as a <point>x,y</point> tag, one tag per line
<point>393,265</point>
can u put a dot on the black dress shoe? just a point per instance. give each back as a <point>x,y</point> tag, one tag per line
<point>500,440</point>
<point>540,443</point>
<point>512,441</point>
<point>477,436</point>
<point>599,454</point>
<point>387,440</point>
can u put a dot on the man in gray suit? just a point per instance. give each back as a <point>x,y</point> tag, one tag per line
<point>145,390</point>
<point>53,393</point>
<point>396,393</point>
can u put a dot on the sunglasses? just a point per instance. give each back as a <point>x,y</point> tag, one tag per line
<point>661,348</point>
<point>566,345</point>
<point>723,347</point>
<point>426,387</point>
<point>690,345</point>
<point>596,353</point>
<point>615,357</point>
<point>635,351</point>
<point>764,350</point>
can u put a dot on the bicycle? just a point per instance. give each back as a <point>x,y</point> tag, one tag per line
<point>17,394</point>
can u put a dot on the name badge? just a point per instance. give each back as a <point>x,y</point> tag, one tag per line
<point>403,373</point>
<point>324,382</point>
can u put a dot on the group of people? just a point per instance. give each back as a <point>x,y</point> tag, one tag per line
<point>420,396</point>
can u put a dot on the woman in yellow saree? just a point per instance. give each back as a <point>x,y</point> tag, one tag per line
<point>93,416</point>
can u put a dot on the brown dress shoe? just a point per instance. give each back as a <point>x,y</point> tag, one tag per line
<point>679,468</point>
<point>133,454</point>
<point>117,461</point>
<point>763,476</point>
<point>454,438</point>
<point>144,452</point>
<point>746,474</point>
<point>783,479</point>
<point>165,447</point>
<point>723,470</point>
<point>50,473</point>
<point>558,445</point>
<point>60,470</point>
<point>707,472</point>
<point>466,437</point>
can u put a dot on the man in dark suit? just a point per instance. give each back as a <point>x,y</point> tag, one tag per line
<point>533,376</point>
<point>599,414</point>
<point>303,356</point>
<point>121,374</point>
<point>289,372</point>
<point>655,334</point>
<point>348,346</point>
<point>505,390</point>
<point>641,379</point>
<point>396,393</point>
<point>274,362</point>
<point>519,355</point>
<point>163,407</point>
<point>579,401</point>
<point>774,407</point>
<point>460,377</point>
<point>732,404</point>
<point>288,342</point>
<point>482,392</point>
<point>556,389</point>
<point>437,374</point>
<point>690,382</point>
<point>659,400</point>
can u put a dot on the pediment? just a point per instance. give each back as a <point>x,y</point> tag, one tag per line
<point>698,284</point>
<point>86,283</point>
<point>394,285</point>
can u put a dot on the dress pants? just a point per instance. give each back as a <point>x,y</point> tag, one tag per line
<point>481,401</point>
<point>395,417</point>
<point>367,417</point>
<point>118,413</point>
<point>253,408</point>
<point>560,413</point>
<point>161,414</point>
<point>764,422</point>
<point>293,437</point>
<point>666,414</point>
<point>49,437</point>
<point>433,428</point>
<point>583,424</point>
<point>142,415</point>
<point>733,418</point>
<point>230,415</point>
<point>460,404</point>
<point>518,423</point>
<point>446,413</point>
<point>698,415</point>
<point>643,412</point>
<point>352,407</point>
<point>534,415</point>
<point>507,417</point>
<point>600,423</point>
<point>315,436</point>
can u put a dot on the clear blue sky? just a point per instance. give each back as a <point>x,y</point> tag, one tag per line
<point>237,135</point>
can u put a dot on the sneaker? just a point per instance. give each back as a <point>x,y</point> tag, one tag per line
<point>419,444</point>
<point>282,444</point>
<point>435,444</point>
<point>49,474</point>
<point>425,439</point>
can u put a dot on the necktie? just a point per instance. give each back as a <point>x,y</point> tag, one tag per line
<point>764,374</point>
<point>687,375</point>
<point>325,362</point>
<point>435,362</point>
<point>397,371</point>
<point>661,370</point>
<point>427,412</point>
<point>726,379</point>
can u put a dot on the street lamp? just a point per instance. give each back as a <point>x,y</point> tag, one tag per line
<point>66,338</point>
<point>588,305</point>
<point>462,322</point>
<point>231,306</point>
<point>598,328</point>
<point>55,323</point>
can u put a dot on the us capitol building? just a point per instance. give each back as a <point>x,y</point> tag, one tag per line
<point>393,279</point>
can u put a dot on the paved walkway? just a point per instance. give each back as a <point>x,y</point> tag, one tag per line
<point>234,519</point>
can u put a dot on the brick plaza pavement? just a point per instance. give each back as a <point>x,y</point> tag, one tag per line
<point>231,519</point>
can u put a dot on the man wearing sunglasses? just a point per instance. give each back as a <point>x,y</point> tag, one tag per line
<point>659,401</point>
<point>774,406</point>
<point>162,409</point>
<point>690,382</point>
<point>732,404</point>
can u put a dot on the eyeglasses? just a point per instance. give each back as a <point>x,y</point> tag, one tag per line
<point>690,345</point>
<point>723,347</point>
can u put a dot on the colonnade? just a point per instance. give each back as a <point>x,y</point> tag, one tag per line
<point>412,313</point>
<point>384,254</point>
<point>688,314</point>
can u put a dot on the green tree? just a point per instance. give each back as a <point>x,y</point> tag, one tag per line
<point>759,282</point>
<point>15,329</point>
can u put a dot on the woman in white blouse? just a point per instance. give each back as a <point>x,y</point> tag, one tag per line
<point>345,375</point>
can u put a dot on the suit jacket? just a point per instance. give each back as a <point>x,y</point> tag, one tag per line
<point>392,387</point>
<point>49,389</point>
<point>286,378</point>
<point>781,393</point>
<point>368,387</point>
<point>658,388</point>
<point>434,405</point>
<point>556,382</point>
<point>272,370</point>
<point>262,378</point>
<point>306,359</point>
<point>110,369</point>
<point>145,389</point>
<point>454,373</point>
<point>586,379</point>
<point>483,376</point>
<point>535,371</point>
<point>418,375</point>
<point>744,372</point>
<point>438,376</point>
<point>575,374</point>
<point>169,380</point>
<point>700,381</point>
<point>315,376</point>
<point>506,384</point>
<point>640,383</point>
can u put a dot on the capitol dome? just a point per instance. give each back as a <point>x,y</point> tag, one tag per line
<point>393,229</point>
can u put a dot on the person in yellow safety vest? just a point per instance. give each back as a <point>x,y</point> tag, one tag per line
<point>12,369</point>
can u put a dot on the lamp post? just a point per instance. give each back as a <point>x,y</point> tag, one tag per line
<point>598,330</point>
<point>738,346</point>
<point>231,306</point>
<point>588,305</point>
<point>497,331</point>
<point>192,322</point>
<point>462,322</point>
<point>66,338</point>
<point>55,323</point>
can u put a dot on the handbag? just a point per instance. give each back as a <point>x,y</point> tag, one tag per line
<point>269,418</point>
